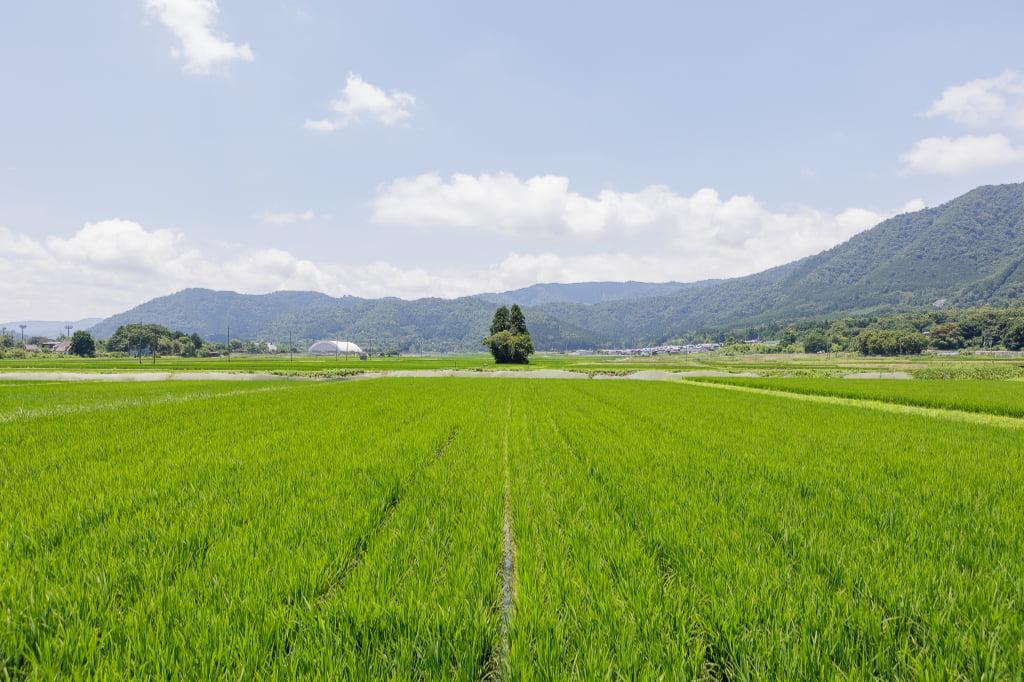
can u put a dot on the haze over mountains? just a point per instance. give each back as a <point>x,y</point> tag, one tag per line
<point>969,251</point>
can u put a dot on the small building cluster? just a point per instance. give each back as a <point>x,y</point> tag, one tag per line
<point>665,350</point>
<point>56,346</point>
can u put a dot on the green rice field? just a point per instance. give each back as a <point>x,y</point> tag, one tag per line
<point>466,529</point>
<point>987,397</point>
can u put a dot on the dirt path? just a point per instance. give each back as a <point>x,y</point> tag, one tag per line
<point>643,375</point>
<point>142,376</point>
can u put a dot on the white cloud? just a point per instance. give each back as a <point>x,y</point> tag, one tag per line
<point>112,265</point>
<point>361,100</point>
<point>286,218</point>
<point>984,102</point>
<point>960,155</point>
<point>703,225</point>
<point>191,21</point>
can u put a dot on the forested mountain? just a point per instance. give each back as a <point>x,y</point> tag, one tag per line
<point>587,292</point>
<point>211,313</point>
<point>967,252</point>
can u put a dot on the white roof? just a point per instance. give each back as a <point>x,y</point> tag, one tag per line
<point>332,347</point>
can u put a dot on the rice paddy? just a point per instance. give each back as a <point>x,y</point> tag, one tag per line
<point>461,529</point>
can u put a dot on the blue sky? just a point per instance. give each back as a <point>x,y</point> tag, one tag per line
<point>441,149</point>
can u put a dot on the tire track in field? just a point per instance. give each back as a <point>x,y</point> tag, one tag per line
<point>59,410</point>
<point>982,418</point>
<point>336,574</point>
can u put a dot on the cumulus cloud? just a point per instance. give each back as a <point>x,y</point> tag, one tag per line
<point>112,265</point>
<point>703,225</point>
<point>286,218</point>
<point>984,102</point>
<point>192,21</point>
<point>951,156</point>
<point>361,100</point>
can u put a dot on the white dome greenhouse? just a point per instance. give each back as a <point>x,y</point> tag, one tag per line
<point>334,348</point>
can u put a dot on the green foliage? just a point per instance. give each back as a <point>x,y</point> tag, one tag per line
<point>500,323</point>
<point>946,336</point>
<point>516,321</point>
<point>816,342</point>
<point>874,342</point>
<point>973,370</point>
<point>82,344</point>
<point>187,347</point>
<point>131,337</point>
<point>1013,337</point>
<point>510,341</point>
<point>788,336</point>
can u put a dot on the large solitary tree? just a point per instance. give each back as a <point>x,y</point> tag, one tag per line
<point>510,341</point>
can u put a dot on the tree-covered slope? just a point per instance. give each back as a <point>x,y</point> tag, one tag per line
<point>587,292</point>
<point>211,313</point>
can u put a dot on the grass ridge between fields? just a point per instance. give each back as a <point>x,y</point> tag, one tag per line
<point>876,404</point>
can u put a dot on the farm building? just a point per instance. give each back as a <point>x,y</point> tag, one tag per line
<point>334,348</point>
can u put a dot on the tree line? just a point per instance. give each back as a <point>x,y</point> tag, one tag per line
<point>906,333</point>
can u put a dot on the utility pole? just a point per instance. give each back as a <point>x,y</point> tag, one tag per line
<point>68,328</point>
<point>291,348</point>
<point>23,333</point>
<point>229,343</point>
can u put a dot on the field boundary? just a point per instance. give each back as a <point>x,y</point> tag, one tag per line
<point>982,418</point>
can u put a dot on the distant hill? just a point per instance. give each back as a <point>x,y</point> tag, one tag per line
<point>211,313</point>
<point>967,252</point>
<point>587,292</point>
<point>51,329</point>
